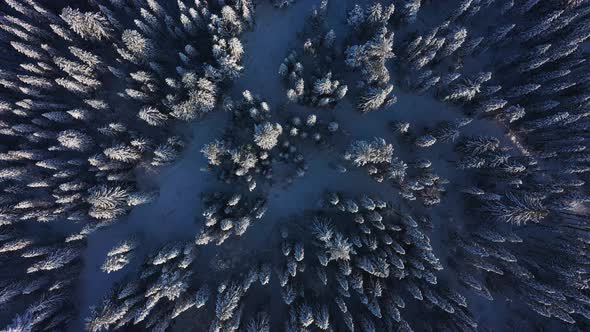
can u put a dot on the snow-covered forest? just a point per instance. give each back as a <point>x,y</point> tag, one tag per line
<point>294,165</point>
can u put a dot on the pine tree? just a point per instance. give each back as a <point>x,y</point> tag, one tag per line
<point>376,98</point>
<point>362,153</point>
<point>409,10</point>
<point>75,140</point>
<point>453,42</point>
<point>266,135</point>
<point>261,323</point>
<point>518,210</point>
<point>89,25</point>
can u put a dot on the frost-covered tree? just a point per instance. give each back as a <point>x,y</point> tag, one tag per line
<point>372,56</point>
<point>75,140</point>
<point>376,98</point>
<point>518,210</point>
<point>266,135</point>
<point>362,153</point>
<point>408,10</point>
<point>88,25</point>
<point>120,255</point>
<point>226,216</point>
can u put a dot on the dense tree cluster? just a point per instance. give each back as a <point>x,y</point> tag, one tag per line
<point>375,264</point>
<point>323,92</point>
<point>228,215</point>
<point>377,157</point>
<point>42,274</point>
<point>371,53</point>
<point>251,145</point>
<point>87,97</point>
<point>161,292</point>
<point>373,261</point>
<point>73,134</point>
<point>308,71</point>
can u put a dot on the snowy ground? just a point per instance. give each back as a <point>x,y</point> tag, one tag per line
<point>175,214</point>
